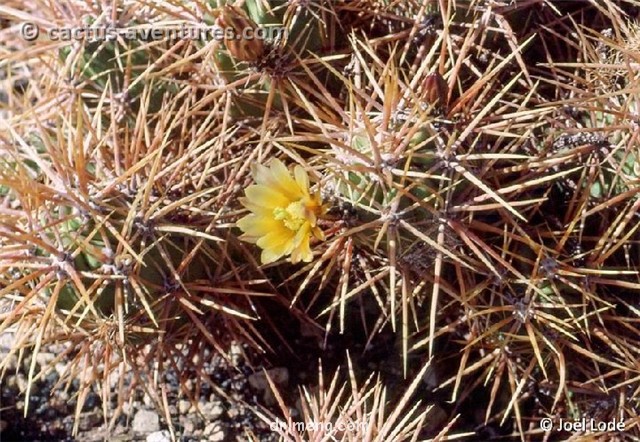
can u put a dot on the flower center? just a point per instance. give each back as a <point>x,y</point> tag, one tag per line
<point>292,216</point>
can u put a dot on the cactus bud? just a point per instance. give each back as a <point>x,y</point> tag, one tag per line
<point>241,46</point>
<point>435,90</point>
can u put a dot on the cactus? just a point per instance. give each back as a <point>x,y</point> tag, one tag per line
<point>264,72</point>
<point>452,182</point>
<point>98,249</point>
<point>364,412</point>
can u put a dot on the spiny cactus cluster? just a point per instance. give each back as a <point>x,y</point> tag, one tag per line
<point>440,181</point>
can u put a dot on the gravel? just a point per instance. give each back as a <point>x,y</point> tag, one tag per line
<point>159,436</point>
<point>145,422</point>
<point>52,409</point>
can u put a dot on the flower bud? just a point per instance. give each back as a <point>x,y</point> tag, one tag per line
<point>435,90</point>
<point>242,45</point>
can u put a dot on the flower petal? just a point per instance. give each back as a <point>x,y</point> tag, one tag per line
<point>281,178</point>
<point>280,240</point>
<point>261,173</point>
<point>266,197</point>
<point>284,214</point>
<point>268,256</point>
<point>302,250</point>
<point>301,177</point>
<point>277,177</point>
<point>318,233</point>
<point>275,246</point>
<point>256,225</point>
<point>257,209</point>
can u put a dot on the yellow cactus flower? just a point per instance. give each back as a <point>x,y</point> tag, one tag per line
<point>284,213</point>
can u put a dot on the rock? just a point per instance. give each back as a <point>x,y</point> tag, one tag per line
<point>279,376</point>
<point>210,428</point>
<point>212,410</point>
<point>430,378</point>
<point>183,406</point>
<point>10,362</point>
<point>89,420</point>
<point>60,368</point>
<point>214,432</point>
<point>21,381</point>
<point>44,359</point>
<point>7,340</point>
<point>145,421</point>
<point>217,436</point>
<point>436,418</point>
<point>114,378</point>
<point>11,382</point>
<point>188,425</point>
<point>233,413</point>
<point>159,436</point>
<point>235,353</point>
<point>146,399</point>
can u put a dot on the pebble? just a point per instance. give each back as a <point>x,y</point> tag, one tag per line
<point>235,353</point>
<point>278,375</point>
<point>10,362</point>
<point>11,382</point>
<point>21,381</point>
<point>159,436</point>
<point>214,432</point>
<point>89,420</point>
<point>147,401</point>
<point>212,410</point>
<point>437,417</point>
<point>188,425</point>
<point>141,421</point>
<point>184,406</point>
<point>60,368</point>
<point>7,341</point>
<point>114,378</point>
<point>44,359</point>
<point>145,421</point>
<point>430,378</point>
